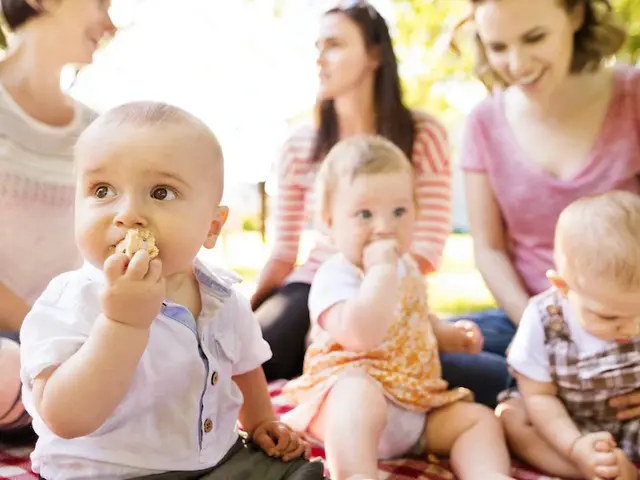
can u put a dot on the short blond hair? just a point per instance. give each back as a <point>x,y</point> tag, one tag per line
<point>599,38</point>
<point>599,237</point>
<point>155,115</point>
<point>352,157</point>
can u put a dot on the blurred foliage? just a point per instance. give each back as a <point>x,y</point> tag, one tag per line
<point>3,37</point>
<point>629,13</point>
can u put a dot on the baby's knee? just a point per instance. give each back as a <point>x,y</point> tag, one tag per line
<point>474,416</point>
<point>480,414</point>
<point>357,388</point>
<point>512,414</point>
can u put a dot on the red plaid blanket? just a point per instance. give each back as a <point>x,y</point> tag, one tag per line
<point>15,465</point>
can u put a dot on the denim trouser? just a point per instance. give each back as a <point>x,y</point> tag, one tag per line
<point>485,374</point>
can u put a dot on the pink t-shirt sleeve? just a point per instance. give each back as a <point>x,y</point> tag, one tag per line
<point>473,152</point>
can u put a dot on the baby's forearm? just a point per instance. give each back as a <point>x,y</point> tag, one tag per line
<point>83,392</point>
<point>551,419</point>
<point>256,406</point>
<point>371,312</point>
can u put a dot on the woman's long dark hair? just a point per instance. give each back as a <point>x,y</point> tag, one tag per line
<point>394,120</point>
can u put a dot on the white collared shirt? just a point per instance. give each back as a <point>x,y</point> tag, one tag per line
<point>181,409</point>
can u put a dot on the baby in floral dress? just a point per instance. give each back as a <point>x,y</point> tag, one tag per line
<point>372,385</point>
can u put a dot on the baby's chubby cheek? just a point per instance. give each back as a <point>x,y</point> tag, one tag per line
<point>93,244</point>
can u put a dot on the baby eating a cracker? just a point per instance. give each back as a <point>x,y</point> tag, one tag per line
<point>141,363</point>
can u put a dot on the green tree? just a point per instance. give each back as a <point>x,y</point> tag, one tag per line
<point>629,13</point>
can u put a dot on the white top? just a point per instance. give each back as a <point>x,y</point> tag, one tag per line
<point>528,354</point>
<point>36,198</point>
<point>182,382</point>
<point>336,280</point>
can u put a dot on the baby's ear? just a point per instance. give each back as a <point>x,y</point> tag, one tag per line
<point>215,228</point>
<point>557,282</point>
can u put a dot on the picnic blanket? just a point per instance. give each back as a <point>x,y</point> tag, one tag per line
<point>15,464</point>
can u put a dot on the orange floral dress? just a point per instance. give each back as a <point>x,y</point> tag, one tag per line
<point>406,364</point>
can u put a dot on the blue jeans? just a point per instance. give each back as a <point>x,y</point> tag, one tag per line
<point>485,374</point>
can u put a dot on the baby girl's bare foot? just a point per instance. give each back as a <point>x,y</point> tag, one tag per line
<point>628,470</point>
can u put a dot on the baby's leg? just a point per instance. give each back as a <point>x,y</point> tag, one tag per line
<point>528,445</point>
<point>472,437</point>
<point>350,423</point>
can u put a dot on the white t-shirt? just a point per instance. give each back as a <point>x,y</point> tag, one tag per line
<point>337,280</point>
<point>36,198</point>
<point>181,409</point>
<point>528,354</point>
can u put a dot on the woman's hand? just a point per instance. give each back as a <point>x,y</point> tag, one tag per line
<point>628,405</point>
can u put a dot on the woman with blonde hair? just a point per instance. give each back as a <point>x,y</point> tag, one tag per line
<point>39,124</point>
<point>562,122</point>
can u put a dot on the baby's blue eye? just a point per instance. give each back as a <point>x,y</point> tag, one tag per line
<point>398,212</point>
<point>365,214</point>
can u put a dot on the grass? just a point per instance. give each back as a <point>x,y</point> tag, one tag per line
<point>456,288</point>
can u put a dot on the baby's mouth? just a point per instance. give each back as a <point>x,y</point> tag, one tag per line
<point>136,239</point>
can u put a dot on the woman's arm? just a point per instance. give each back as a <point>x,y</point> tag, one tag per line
<point>492,259</point>
<point>433,191</point>
<point>12,310</point>
<point>289,223</point>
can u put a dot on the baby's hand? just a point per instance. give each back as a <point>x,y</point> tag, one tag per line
<point>278,440</point>
<point>379,252</point>
<point>594,453</point>
<point>134,291</point>
<point>471,338</point>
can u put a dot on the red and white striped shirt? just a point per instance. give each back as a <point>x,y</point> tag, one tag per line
<point>295,203</point>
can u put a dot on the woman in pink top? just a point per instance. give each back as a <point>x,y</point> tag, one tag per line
<point>359,93</point>
<point>39,124</point>
<point>560,124</point>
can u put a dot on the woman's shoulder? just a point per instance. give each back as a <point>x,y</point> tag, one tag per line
<point>485,110</point>
<point>298,147</point>
<point>630,72</point>
<point>425,122</point>
<point>431,144</point>
<point>628,81</point>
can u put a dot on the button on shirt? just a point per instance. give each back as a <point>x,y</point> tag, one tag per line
<point>181,409</point>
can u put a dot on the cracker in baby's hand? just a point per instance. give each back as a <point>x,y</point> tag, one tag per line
<point>138,239</point>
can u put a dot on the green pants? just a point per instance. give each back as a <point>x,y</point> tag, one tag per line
<point>245,461</point>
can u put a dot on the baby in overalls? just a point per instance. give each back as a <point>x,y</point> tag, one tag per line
<point>372,374</point>
<point>578,345</point>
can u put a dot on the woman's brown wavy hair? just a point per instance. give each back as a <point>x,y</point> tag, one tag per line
<point>599,38</point>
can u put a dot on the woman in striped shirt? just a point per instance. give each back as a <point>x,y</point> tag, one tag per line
<point>39,124</point>
<point>359,93</point>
